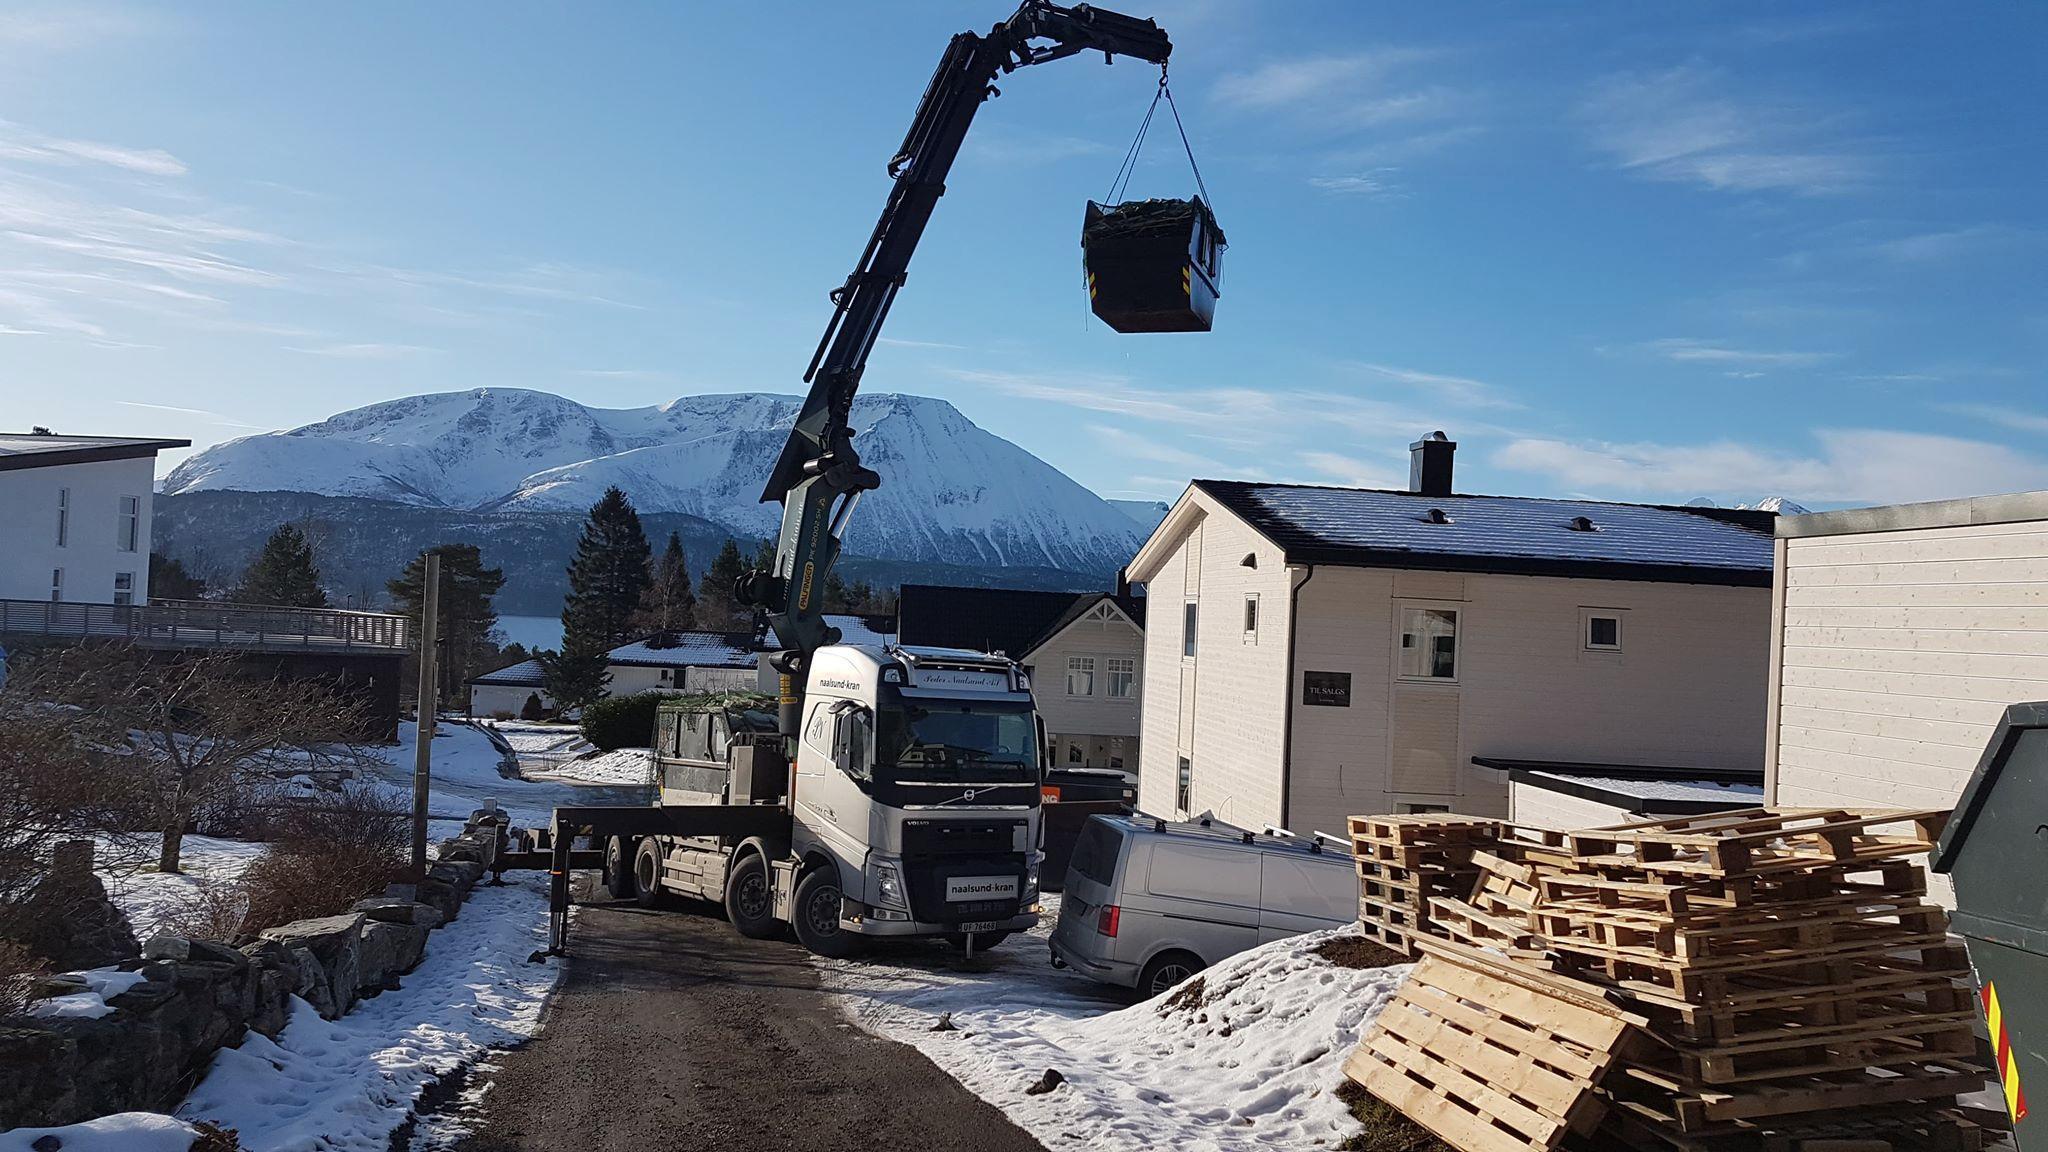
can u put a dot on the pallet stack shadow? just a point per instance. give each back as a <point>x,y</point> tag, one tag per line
<point>1787,979</point>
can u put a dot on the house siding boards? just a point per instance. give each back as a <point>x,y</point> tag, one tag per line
<point>1901,644</point>
<point>1687,688</point>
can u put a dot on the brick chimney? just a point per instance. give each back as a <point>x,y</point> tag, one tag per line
<point>1429,465</point>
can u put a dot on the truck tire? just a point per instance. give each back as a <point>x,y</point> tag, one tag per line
<point>618,867</point>
<point>1166,970</point>
<point>816,915</point>
<point>750,898</point>
<point>647,889</point>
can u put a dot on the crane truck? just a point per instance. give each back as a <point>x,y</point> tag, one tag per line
<point>886,790</point>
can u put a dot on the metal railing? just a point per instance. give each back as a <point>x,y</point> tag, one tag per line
<point>203,624</point>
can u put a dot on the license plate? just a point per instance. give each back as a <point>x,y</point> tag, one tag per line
<point>961,888</point>
<point>981,926</point>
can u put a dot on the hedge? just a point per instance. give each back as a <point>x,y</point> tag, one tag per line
<point>622,721</point>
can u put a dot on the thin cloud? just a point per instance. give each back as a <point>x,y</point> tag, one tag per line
<point>1016,148</point>
<point>211,416</point>
<point>1683,125</point>
<point>18,143</point>
<point>1686,350</point>
<point>1462,390</point>
<point>1372,185</point>
<point>1951,244</point>
<point>1346,93</point>
<point>893,342</point>
<point>2012,418</point>
<point>648,374</point>
<point>1853,465</point>
<point>364,351</point>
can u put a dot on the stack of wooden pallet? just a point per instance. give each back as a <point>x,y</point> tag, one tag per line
<point>1406,861</point>
<point>1791,980</point>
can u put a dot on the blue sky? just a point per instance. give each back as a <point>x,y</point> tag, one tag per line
<point>1621,250</point>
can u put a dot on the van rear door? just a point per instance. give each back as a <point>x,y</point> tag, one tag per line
<point>1090,883</point>
<point>1300,893</point>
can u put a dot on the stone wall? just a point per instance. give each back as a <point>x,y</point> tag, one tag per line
<point>198,996</point>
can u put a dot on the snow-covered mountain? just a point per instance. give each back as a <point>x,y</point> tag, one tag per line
<point>952,492</point>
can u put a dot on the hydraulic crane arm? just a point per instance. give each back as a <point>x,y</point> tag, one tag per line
<point>819,477</point>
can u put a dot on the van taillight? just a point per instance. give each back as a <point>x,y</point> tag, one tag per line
<point>1106,918</point>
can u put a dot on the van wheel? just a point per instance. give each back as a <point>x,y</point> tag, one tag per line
<point>618,868</point>
<point>647,889</point>
<point>983,941</point>
<point>818,898</point>
<point>750,898</point>
<point>1165,970</point>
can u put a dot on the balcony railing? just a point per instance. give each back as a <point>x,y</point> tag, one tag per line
<point>202,624</point>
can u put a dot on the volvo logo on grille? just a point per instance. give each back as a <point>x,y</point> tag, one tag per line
<point>968,795</point>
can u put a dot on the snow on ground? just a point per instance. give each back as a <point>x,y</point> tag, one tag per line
<point>345,1085</point>
<point>1252,1063</point>
<point>468,769</point>
<point>618,766</point>
<point>122,1132</point>
<point>532,736</point>
<point>150,898</point>
<point>92,1003</point>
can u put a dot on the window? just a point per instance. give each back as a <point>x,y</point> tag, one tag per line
<point>129,532</point>
<point>1080,675</point>
<point>124,587</point>
<point>1251,615</point>
<point>63,517</point>
<point>1187,630</point>
<point>1184,785</point>
<point>1603,631</point>
<point>1075,753</point>
<point>1429,644</point>
<point>1122,677</point>
<point>1420,809</point>
<point>1116,751</point>
<point>56,584</point>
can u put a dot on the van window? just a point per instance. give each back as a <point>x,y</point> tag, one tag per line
<point>1096,850</point>
<point>1200,872</point>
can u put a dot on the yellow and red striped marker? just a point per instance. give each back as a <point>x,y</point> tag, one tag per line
<point>2008,1068</point>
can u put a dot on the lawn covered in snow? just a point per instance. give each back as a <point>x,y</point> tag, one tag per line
<point>1248,1061</point>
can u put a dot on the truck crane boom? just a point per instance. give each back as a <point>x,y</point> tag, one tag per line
<point>819,477</point>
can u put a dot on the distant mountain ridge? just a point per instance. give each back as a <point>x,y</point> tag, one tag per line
<point>515,463</point>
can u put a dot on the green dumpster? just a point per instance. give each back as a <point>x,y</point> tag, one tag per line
<point>1995,848</point>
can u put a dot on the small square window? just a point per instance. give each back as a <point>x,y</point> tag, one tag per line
<point>1429,644</point>
<point>1251,614</point>
<point>1421,809</point>
<point>1603,632</point>
<point>1188,620</point>
<point>1080,675</point>
<point>124,587</point>
<point>1075,754</point>
<point>1123,676</point>
<point>1184,785</point>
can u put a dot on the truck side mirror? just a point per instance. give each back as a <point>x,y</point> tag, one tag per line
<point>852,741</point>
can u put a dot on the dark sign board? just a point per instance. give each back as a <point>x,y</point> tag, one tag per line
<point>1329,689</point>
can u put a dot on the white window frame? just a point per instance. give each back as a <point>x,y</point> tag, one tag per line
<point>1251,617</point>
<point>1081,669</point>
<point>124,595</point>
<point>128,527</point>
<point>1586,618</point>
<point>56,585</point>
<point>1457,614</point>
<point>1190,629</point>
<point>1124,666</point>
<point>63,517</point>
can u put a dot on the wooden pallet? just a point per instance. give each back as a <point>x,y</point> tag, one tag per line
<point>1694,1108</point>
<point>1425,828</point>
<point>1758,841</point>
<point>1910,1130</point>
<point>1491,1058</point>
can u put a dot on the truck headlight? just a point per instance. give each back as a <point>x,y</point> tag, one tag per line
<point>885,885</point>
<point>1031,877</point>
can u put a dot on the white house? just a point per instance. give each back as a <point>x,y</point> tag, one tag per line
<point>75,515</point>
<point>1315,653</point>
<point>1899,635</point>
<point>1085,652</point>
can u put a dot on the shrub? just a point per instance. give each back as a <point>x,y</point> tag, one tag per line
<point>622,721</point>
<point>19,969</point>
<point>325,855</point>
<point>533,709</point>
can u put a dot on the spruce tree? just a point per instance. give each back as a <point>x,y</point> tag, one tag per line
<point>668,605</point>
<point>576,675</point>
<point>283,573</point>
<point>169,579</point>
<point>716,607</point>
<point>465,615</point>
<point>606,577</point>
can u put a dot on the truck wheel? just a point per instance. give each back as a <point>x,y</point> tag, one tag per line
<point>817,915</point>
<point>647,889</point>
<point>750,898</point>
<point>1166,970</point>
<point>618,868</point>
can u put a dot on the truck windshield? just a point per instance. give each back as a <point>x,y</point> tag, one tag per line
<point>947,741</point>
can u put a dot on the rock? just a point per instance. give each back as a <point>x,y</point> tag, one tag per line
<point>394,910</point>
<point>439,896</point>
<point>273,1002</point>
<point>1046,1083</point>
<point>214,952</point>
<point>335,942</point>
<point>310,983</point>
<point>62,984</point>
<point>67,918</point>
<point>167,948</point>
<point>460,875</point>
<point>48,1143</point>
<point>389,951</point>
<point>159,971</point>
<point>945,1023</point>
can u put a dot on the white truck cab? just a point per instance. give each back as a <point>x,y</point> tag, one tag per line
<point>917,780</point>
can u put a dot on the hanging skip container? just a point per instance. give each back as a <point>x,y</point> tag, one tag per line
<point>1153,265</point>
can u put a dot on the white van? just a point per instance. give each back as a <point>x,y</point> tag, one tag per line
<point>1150,903</point>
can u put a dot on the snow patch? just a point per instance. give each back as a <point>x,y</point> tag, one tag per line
<point>121,1132</point>
<point>92,1003</point>
<point>1250,1061</point>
